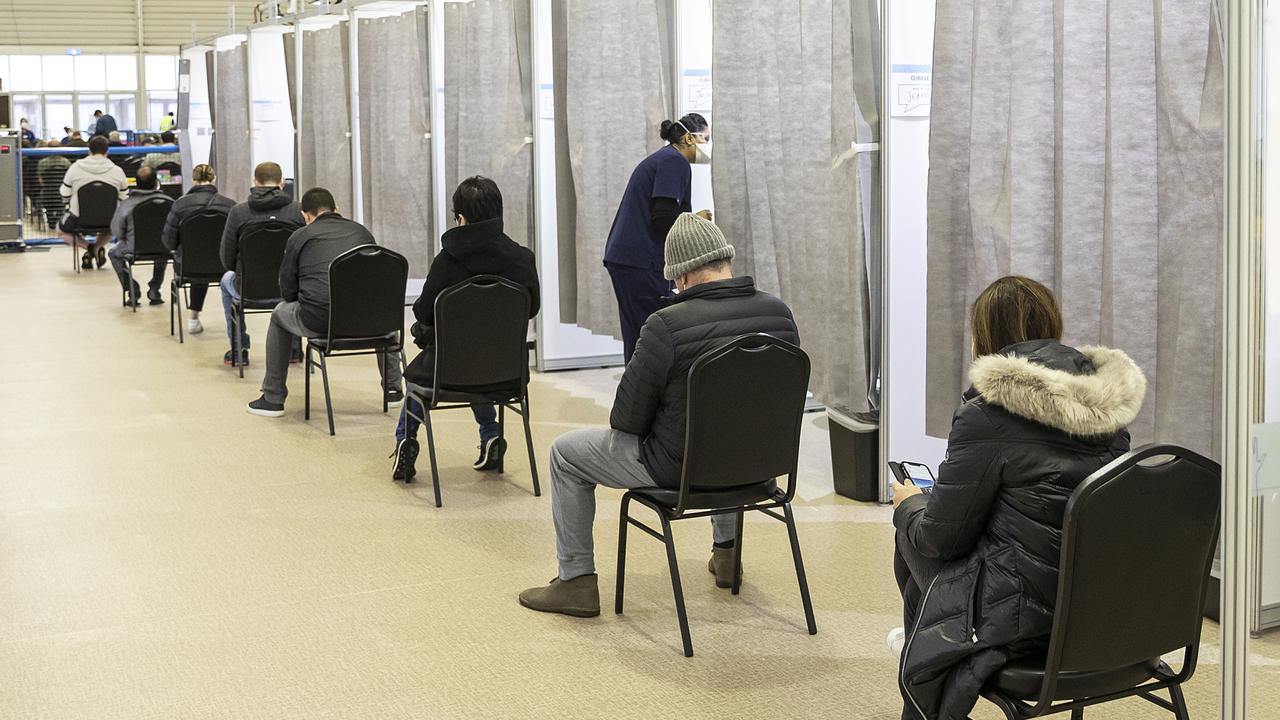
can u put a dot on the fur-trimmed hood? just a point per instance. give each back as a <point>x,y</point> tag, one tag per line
<point>1091,392</point>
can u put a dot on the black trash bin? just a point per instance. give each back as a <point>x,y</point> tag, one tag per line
<point>855,457</point>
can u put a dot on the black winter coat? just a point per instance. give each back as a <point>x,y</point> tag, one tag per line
<point>1040,418</point>
<point>651,396</point>
<point>197,199</point>
<point>479,248</point>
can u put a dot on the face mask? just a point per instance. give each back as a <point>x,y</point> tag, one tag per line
<point>704,154</point>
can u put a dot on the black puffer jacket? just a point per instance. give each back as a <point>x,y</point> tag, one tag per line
<point>197,199</point>
<point>651,397</point>
<point>1040,418</point>
<point>479,248</point>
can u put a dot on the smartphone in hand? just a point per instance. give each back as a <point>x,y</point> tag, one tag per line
<point>915,473</point>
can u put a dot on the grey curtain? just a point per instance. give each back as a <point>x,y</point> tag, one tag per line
<point>1083,148</point>
<point>230,105</point>
<point>395,145</point>
<point>612,90</point>
<point>488,103</point>
<point>794,84</point>
<point>325,160</point>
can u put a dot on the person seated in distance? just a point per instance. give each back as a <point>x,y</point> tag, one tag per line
<point>123,230</point>
<point>97,167</point>
<point>1039,419</point>
<point>202,196</point>
<point>644,443</point>
<point>477,246</point>
<point>304,283</point>
<point>267,201</point>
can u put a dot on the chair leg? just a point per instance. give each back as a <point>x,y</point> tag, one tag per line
<point>737,555</point>
<point>382,368</point>
<point>237,325</point>
<point>1179,703</point>
<point>178,298</point>
<point>670,542</point>
<point>621,580</point>
<point>129,290</point>
<point>528,439</point>
<point>1006,706</point>
<point>800,576</point>
<point>431,451</point>
<point>1077,714</point>
<point>173,298</point>
<point>502,435</point>
<point>328,403</point>
<point>306,402</point>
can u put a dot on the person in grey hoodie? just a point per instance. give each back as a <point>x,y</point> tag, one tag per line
<point>267,201</point>
<point>123,229</point>
<point>95,168</point>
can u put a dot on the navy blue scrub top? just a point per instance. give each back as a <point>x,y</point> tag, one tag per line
<point>632,241</point>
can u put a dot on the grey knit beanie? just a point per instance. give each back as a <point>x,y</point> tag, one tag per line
<point>692,243</point>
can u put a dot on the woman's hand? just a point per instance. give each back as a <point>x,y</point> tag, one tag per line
<point>902,491</point>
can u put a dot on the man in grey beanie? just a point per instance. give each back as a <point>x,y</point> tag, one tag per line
<point>644,445</point>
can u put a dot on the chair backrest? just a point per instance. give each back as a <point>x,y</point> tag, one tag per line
<point>200,238</point>
<point>745,406</point>
<point>366,293</point>
<point>173,188</point>
<point>1137,546</point>
<point>261,252</point>
<point>148,219</point>
<point>482,329</point>
<point>97,201</point>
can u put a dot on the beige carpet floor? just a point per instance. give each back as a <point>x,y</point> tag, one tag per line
<point>163,554</point>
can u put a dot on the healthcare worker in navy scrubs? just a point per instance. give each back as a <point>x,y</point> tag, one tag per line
<point>659,190</point>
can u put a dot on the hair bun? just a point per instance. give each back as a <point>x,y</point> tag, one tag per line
<point>664,131</point>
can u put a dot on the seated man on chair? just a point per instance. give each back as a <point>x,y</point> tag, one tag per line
<point>304,283</point>
<point>97,167</point>
<point>123,229</point>
<point>476,247</point>
<point>267,201</point>
<point>202,196</point>
<point>644,445</point>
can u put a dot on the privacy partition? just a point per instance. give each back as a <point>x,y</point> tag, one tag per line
<point>324,158</point>
<point>229,84</point>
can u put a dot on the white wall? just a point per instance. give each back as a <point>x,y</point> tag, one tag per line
<point>270,111</point>
<point>911,26</point>
<point>199,123</point>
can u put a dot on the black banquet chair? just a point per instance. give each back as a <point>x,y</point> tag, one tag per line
<point>148,227</point>
<point>199,241</point>
<point>261,253</point>
<point>172,188</point>
<point>1137,546</point>
<point>366,314</point>
<point>745,408</point>
<point>97,201</point>
<point>481,357</point>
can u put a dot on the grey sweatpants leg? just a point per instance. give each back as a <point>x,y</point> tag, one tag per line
<point>580,461</point>
<point>282,335</point>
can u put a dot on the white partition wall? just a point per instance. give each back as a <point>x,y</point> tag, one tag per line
<point>197,125</point>
<point>270,109</point>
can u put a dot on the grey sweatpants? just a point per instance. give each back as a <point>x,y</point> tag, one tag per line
<point>286,327</point>
<point>580,461</point>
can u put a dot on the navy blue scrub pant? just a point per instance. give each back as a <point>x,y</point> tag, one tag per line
<point>640,293</point>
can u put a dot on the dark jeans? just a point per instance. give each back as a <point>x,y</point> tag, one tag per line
<point>639,293</point>
<point>913,573</point>
<point>486,417</point>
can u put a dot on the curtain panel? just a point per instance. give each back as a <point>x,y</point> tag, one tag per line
<point>230,103</point>
<point>325,157</point>
<point>1083,148</point>
<point>795,84</point>
<point>613,89</point>
<point>395,142</point>
<point>488,103</point>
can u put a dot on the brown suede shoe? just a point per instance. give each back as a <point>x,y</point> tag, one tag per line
<point>579,597</point>
<point>721,565</point>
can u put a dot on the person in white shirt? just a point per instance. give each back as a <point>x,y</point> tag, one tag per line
<point>95,168</point>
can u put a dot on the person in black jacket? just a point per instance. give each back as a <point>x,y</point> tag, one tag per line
<point>267,201</point>
<point>104,124</point>
<point>304,284</point>
<point>478,246</point>
<point>202,196</point>
<point>644,445</point>
<point>977,559</point>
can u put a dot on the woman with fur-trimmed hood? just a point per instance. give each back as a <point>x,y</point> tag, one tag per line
<point>977,559</point>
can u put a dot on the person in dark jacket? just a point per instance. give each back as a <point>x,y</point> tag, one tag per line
<point>202,196</point>
<point>659,190</point>
<point>304,284</point>
<point>105,124</point>
<point>146,187</point>
<point>644,445</point>
<point>977,559</point>
<point>478,246</point>
<point>267,201</point>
